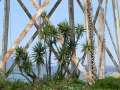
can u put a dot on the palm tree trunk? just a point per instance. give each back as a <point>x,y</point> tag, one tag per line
<point>50,59</point>
<point>38,73</point>
<point>47,68</point>
<point>90,36</point>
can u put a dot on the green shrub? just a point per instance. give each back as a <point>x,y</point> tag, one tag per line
<point>107,83</point>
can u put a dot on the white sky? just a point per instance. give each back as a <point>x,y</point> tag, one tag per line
<point>18,21</point>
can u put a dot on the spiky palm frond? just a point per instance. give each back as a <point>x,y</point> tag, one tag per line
<point>27,66</point>
<point>38,53</point>
<point>71,45</point>
<point>64,29</point>
<point>80,29</point>
<point>87,47</point>
<point>19,53</point>
<point>49,33</point>
<point>44,15</point>
<point>63,56</point>
<point>45,33</point>
<point>23,60</point>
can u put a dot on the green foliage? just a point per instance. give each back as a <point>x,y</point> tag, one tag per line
<point>19,85</point>
<point>64,29</point>
<point>49,32</point>
<point>79,29</point>
<point>54,84</point>
<point>27,66</point>
<point>38,53</point>
<point>105,84</point>
<point>58,76</point>
<point>87,47</point>
<point>6,84</point>
<point>64,56</point>
<point>19,54</point>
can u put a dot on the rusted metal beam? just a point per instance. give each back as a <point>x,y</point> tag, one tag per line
<point>74,58</point>
<point>24,32</point>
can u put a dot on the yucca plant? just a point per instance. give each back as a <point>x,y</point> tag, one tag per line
<point>87,47</point>
<point>64,29</point>
<point>19,53</point>
<point>79,30</point>
<point>38,55</point>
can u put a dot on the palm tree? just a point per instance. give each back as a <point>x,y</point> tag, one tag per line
<point>44,36</point>
<point>80,30</point>
<point>64,29</point>
<point>26,64</point>
<point>52,39</point>
<point>38,55</point>
<point>19,52</point>
<point>49,32</point>
<point>22,60</point>
<point>63,59</point>
<point>87,47</point>
<point>66,50</point>
<point>89,36</point>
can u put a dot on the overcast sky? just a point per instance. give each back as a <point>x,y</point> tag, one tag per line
<point>19,20</point>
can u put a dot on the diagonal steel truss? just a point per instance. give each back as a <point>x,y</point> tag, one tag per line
<point>24,32</point>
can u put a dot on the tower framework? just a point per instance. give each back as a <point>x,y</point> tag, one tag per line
<point>90,23</point>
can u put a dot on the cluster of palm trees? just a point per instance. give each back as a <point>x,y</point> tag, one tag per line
<point>42,52</point>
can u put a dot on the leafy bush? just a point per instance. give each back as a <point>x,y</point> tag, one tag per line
<point>107,83</point>
<point>16,85</point>
<point>53,84</point>
<point>43,84</point>
<point>6,84</point>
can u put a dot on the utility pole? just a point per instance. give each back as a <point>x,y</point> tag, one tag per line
<point>71,23</point>
<point>5,30</point>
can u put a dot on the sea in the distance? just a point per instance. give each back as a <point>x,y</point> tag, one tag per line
<point>109,71</point>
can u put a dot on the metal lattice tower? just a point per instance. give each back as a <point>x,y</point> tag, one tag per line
<point>90,26</point>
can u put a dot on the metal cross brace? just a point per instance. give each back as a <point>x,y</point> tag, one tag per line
<point>24,32</point>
